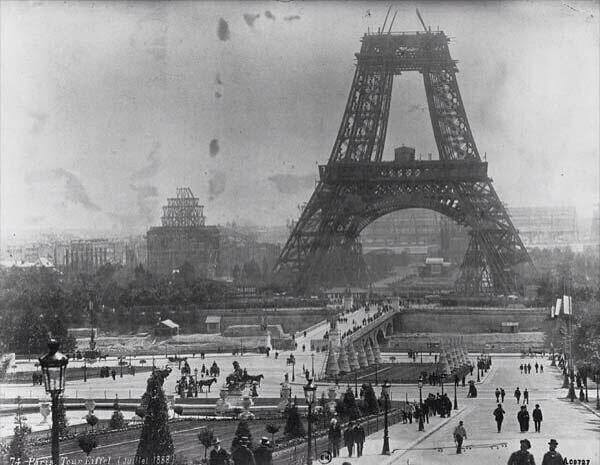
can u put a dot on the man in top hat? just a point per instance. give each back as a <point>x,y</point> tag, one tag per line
<point>522,456</point>
<point>218,456</point>
<point>537,417</point>
<point>552,457</point>
<point>523,419</point>
<point>349,438</point>
<point>242,455</point>
<point>263,455</point>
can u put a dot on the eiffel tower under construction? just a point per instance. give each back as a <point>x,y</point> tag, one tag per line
<point>356,186</point>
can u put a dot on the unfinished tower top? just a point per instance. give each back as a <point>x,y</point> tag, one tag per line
<point>183,210</point>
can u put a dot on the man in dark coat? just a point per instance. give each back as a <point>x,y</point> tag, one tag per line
<point>518,394</point>
<point>359,439</point>
<point>218,456</point>
<point>502,394</point>
<point>497,393</point>
<point>499,416</point>
<point>263,455</point>
<point>552,457</point>
<point>522,456</point>
<point>523,419</point>
<point>242,455</point>
<point>537,417</point>
<point>349,438</point>
<point>525,397</point>
<point>335,436</point>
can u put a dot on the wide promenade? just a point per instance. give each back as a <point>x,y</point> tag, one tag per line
<point>575,426</point>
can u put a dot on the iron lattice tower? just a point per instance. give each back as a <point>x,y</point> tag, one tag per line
<point>183,210</point>
<point>356,187</point>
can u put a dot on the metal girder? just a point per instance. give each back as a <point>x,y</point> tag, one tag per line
<point>356,187</point>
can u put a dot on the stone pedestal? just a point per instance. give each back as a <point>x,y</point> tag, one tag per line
<point>376,351</point>
<point>352,357</point>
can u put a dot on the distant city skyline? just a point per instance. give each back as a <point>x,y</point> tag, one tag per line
<point>108,107</point>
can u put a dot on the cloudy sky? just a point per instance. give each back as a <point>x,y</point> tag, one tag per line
<point>107,107</point>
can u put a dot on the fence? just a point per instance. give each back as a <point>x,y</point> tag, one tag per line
<point>296,455</point>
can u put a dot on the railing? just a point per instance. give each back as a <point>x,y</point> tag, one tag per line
<point>296,455</point>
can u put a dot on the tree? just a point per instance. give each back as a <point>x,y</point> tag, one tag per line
<point>350,407</point>
<point>206,438</point>
<point>116,420</point>
<point>87,442</point>
<point>242,430</point>
<point>371,406</point>
<point>91,420</point>
<point>19,447</point>
<point>293,424</point>
<point>155,439</point>
<point>272,430</point>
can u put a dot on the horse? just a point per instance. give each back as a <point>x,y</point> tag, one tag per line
<point>206,382</point>
<point>251,378</point>
<point>214,371</point>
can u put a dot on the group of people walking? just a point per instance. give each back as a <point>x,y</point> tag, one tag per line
<point>526,368</point>
<point>523,418</point>
<point>242,453</point>
<point>354,435</point>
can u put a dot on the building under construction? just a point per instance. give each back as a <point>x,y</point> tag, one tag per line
<point>183,237</point>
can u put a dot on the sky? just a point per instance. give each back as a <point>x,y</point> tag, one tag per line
<point>107,107</point>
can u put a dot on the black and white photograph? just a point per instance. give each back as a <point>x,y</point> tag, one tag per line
<point>299,232</point>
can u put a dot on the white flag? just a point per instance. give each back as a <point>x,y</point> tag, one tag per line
<point>558,307</point>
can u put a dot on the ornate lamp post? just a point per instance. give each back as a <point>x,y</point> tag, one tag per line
<point>54,367</point>
<point>310,390</point>
<point>455,384</point>
<point>385,399</point>
<point>421,426</point>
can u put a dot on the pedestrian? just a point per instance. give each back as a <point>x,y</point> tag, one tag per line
<point>242,455</point>
<point>218,456</point>
<point>459,436</point>
<point>502,394</point>
<point>537,417</point>
<point>499,416</point>
<point>521,368</point>
<point>263,454</point>
<point>349,438</point>
<point>571,392</point>
<point>537,366</point>
<point>497,392</point>
<point>410,413</point>
<point>522,456</point>
<point>523,419</point>
<point>525,397</point>
<point>113,373</point>
<point>359,438</point>
<point>335,435</point>
<point>541,368</point>
<point>529,368</point>
<point>552,457</point>
<point>518,394</point>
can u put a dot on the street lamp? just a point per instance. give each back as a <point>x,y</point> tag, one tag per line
<point>421,426</point>
<point>385,398</point>
<point>310,390</point>
<point>455,384</point>
<point>54,367</point>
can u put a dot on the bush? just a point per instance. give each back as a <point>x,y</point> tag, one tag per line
<point>293,425</point>
<point>87,442</point>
